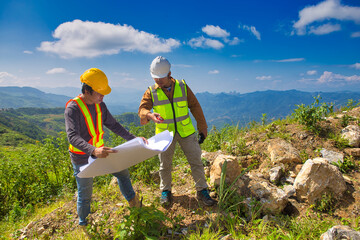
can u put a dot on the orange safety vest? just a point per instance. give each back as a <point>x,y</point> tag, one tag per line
<point>97,133</point>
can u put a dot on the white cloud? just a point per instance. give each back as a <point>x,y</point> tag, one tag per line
<point>325,29</point>
<point>235,41</point>
<point>56,71</point>
<point>263,78</point>
<point>311,72</point>
<point>326,10</point>
<point>329,77</point>
<point>7,79</point>
<point>290,60</point>
<point>202,42</point>
<point>92,39</point>
<point>356,65</point>
<point>215,31</point>
<point>253,30</point>
<point>4,75</point>
<point>355,34</point>
<point>214,72</point>
<point>28,52</point>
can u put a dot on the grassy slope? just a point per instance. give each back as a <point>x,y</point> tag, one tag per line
<point>110,208</point>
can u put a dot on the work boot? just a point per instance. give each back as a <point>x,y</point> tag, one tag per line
<point>204,196</point>
<point>166,198</point>
<point>135,202</point>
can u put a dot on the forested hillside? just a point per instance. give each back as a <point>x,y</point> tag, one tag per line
<point>26,125</point>
<point>17,97</point>
<point>234,108</point>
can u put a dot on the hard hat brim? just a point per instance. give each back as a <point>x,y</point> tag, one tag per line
<point>159,76</point>
<point>105,91</point>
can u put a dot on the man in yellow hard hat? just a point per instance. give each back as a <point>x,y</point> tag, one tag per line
<point>171,100</point>
<point>85,116</point>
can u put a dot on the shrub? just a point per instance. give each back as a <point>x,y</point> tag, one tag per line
<point>142,223</point>
<point>351,103</point>
<point>310,116</point>
<point>347,165</point>
<point>34,174</point>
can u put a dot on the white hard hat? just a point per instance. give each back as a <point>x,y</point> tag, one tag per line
<point>160,67</point>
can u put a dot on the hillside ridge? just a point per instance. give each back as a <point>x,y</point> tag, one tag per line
<point>219,108</point>
<point>281,144</point>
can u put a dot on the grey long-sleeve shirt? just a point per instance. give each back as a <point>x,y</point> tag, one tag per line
<point>78,134</point>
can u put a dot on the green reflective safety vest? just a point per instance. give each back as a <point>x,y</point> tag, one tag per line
<point>176,114</point>
<point>97,134</point>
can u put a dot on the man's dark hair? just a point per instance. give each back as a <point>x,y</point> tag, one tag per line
<point>86,87</point>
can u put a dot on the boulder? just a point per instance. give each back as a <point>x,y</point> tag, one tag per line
<point>276,174</point>
<point>332,156</point>
<point>289,190</point>
<point>317,177</point>
<point>340,232</point>
<point>274,199</point>
<point>352,134</point>
<point>281,151</point>
<point>233,169</point>
<point>355,152</point>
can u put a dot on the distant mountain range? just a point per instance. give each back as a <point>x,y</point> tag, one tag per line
<point>219,108</point>
<point>18,97</point>
<point>234,108</point>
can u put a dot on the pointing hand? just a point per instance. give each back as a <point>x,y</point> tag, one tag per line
<point>102,152</point>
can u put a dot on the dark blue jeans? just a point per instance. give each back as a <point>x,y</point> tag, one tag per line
<point>85,188</point>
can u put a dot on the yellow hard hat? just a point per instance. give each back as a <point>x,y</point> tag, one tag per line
<point>97,80</point>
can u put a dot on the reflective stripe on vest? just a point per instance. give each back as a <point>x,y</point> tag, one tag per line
<point>97,133</point>
<point>176,115</point>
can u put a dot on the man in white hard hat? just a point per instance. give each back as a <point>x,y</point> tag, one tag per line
<point>85,116</point>
<point>171,100</point>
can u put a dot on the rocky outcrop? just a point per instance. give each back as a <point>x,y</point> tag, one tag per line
<point>274,199</point>
<point>352,134</point>
<point>276,174</point>
<point>355,152</point>
<point>281,151</point>
<point>233,169</point>
<point>317,177</point>
<point>332,156</point>
<point>340,232</point>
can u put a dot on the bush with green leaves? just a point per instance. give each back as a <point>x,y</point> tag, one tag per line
<point>213,141</point>
<point>311,115</point>
<point>142,223</point>
<point>351,103</point>
<point>347,165</point>
<point>339,142</point>
<point>34,174</point>
<point>229,139</point>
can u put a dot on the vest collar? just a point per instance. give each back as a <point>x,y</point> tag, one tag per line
<point>172,84</point>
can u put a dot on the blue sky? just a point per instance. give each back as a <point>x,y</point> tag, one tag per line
<point>216,46</point>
